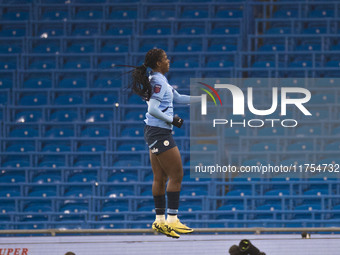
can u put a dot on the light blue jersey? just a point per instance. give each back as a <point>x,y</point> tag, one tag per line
<point>164,93</point>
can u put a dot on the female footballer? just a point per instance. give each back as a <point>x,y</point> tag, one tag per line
<point>164,154</point>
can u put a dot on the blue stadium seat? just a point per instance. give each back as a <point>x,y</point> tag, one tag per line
<point>15,177</point>
<point>188,46</point>
<point>120,191</point>
<point>36,83</point>
<point>107,99</point>
<point>325,13</point>
<point>189,63</point>
<point>42,64</point>
<point>12,191</point>
<point>74,207</point>
<point>76,64</point>
<point>204,147</point>
<point>109,64</point>
<point>59,132</point>
<point>3,99</point>
<point>47,177</point>
<point>38,207</point>
<point>64,116</point>
<point>89,15</point>
<point>99,115</point>
<point>335,146</point>
<point>157,29</point>
<point>42,191</point>
<point>123,177</point>
<point>278,30</point>
<point>333,63</point>
<point>92,148</point>
<point>28,116</point>
<point>127,163</point>
<point>132,146</point>
<point>222,47</point>
<point>161,13</point>
<point>308,130</point>
<point>219,63</point>
<point>10,49</point>
<point>107,82</point>
<point>194,13</point>
<point>228,14</point>
<point>6,206</point>
<point>85,31</point>
<point>271,131</point>
<point>22,147</point>
<point>286,14</point>
<point>300,146</point>
<point>124,14</point>
<point>18,15</point>
<point>88,176</point>
<point>265,146</point>
<point>84,47</point>
<point>147,44</point>
<point>277,192</point>
<point>56,147</point>
<point>134,115</point>
<point>318,115</point>
<point>72,83</point>
<point>232,207</point>
<point>239,193</point>
<point>8,64</point>
<point>78,191</point>
<point>132,132</point>
<point>54,15</point>
<point>119,29</point>
<point>115,206</point>
<point>315,29</point>
<point>46,48</point>
<point>51,31</point>
<point>272,47</point>
<point>13,32</point>
<point>6,83</point>
<point>70,99</point>
<point>191,29</point>
<point>53,160</point>
<point>316,192</point>
<point>95,132</point>
<point>33,100</point>
<point>134,99</point>
<point>301,64</point>
<point>24,132</point>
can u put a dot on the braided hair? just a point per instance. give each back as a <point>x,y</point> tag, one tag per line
<point>140,81</point>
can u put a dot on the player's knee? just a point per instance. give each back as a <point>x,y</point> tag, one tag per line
<point>177,179</point>
<point>160,180</point>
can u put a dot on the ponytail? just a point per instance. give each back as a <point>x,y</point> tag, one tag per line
<point>140,82</point>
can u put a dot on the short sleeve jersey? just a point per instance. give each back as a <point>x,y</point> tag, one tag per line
<point>163,92</point>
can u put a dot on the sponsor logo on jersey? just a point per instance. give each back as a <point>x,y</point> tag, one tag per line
<point>157,88</point>
<point>154,150</point>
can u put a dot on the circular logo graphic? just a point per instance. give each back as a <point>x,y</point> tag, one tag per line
<point>166,143</point>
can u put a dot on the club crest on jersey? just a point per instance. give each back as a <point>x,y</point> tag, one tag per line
<point>157,88</point>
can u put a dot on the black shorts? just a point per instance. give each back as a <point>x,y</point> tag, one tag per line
<point>158,139</point>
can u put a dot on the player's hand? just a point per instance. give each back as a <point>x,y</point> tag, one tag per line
<point>177,121</point>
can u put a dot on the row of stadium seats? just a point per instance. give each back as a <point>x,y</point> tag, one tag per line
<point>129,11</point>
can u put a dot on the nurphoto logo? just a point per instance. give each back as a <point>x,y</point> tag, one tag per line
<point>239,105</point>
